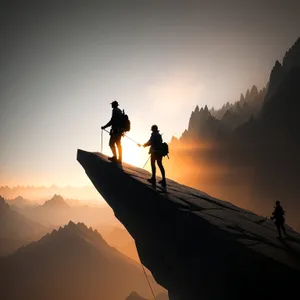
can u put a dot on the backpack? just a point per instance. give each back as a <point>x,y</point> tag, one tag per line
<point>125,122</point>
<point>164,149</point>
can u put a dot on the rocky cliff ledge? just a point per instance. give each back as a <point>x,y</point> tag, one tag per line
<point>197,246</point>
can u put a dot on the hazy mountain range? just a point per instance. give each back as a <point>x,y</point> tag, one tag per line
<point>74,262</point>
<point>16,230</point>
<point>42,193</point>
<point>57,211</point>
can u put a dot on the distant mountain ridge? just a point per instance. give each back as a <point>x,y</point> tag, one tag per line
<point>74,262</point>
<point>16,230</point>
<point>56,201</point>
<point>58,211</point>
<point>42,193</point>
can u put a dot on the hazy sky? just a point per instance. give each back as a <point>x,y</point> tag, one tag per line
<point>63,62</point>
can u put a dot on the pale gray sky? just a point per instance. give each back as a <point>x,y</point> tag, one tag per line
<point>63,62</point>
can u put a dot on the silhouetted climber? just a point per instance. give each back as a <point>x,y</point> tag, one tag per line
<point>278,216</point>
<point>155,143</point>
<point>116,132</point>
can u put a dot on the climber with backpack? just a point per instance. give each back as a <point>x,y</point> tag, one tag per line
<point>119,123</point>
<point>158,149</point>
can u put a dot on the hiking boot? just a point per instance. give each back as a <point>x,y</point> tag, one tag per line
<point>152,180</point>
<point>163,182</point>
<point>113,158</point>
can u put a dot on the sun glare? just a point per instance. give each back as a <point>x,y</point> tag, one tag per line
<point>134,155</point>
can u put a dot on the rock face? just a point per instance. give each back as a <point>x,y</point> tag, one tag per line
<point>196,246</point>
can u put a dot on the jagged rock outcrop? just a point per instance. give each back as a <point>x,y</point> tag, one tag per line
<point>290,61</point>
<point>203,125</point>
<point>196,246</point>
<point>259,162</point>
<point>248,104</point>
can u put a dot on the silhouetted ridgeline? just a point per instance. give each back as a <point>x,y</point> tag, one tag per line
<point>244,155</point>
<point>237,113</point>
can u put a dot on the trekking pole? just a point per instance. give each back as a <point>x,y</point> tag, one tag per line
<point>101,140</point>
<point>130,139</point>
<point>126,137</point>
<point>146,162</point>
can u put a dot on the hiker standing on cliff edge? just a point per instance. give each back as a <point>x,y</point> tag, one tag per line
<point>278,216</point>
<point>155,143</point>
<point>116,132</point>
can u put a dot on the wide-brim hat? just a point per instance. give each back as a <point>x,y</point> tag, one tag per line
<point>114,103</point>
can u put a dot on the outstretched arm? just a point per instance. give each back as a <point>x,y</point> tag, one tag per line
<point>108,124</point>
<point>110,121</point>
<point>146,144</point>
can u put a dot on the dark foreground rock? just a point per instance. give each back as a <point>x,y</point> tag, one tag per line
<point>197,246</point>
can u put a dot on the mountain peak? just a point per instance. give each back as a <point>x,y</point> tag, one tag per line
<point>56,201</point>
<point>79,230</point>
<point>292,57</point>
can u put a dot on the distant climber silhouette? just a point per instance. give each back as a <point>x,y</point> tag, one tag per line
<point>155,143</point>
<point>278,216</point>
<point>116,132</point>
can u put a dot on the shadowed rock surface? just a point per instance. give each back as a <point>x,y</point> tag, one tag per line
<point>197,246</point>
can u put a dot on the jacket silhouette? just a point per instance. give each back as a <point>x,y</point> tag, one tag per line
<point>155,143</point>
<point>115,132</point>
<point>278,216</point>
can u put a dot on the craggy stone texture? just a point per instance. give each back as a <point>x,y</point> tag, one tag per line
<point>197,246</point>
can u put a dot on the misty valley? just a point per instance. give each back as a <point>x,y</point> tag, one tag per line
<point>67,249</point>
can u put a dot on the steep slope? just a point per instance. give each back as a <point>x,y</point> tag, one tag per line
<point>16,230</point>
<point>120,239</point>
<point>74,263</point>
<point>197,247</point>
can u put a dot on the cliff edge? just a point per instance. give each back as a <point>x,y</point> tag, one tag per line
<point>197,246</point>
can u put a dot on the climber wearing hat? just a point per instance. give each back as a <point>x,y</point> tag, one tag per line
<point>278,216</point>
<point>115,132</point>
<point>155,143</point>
